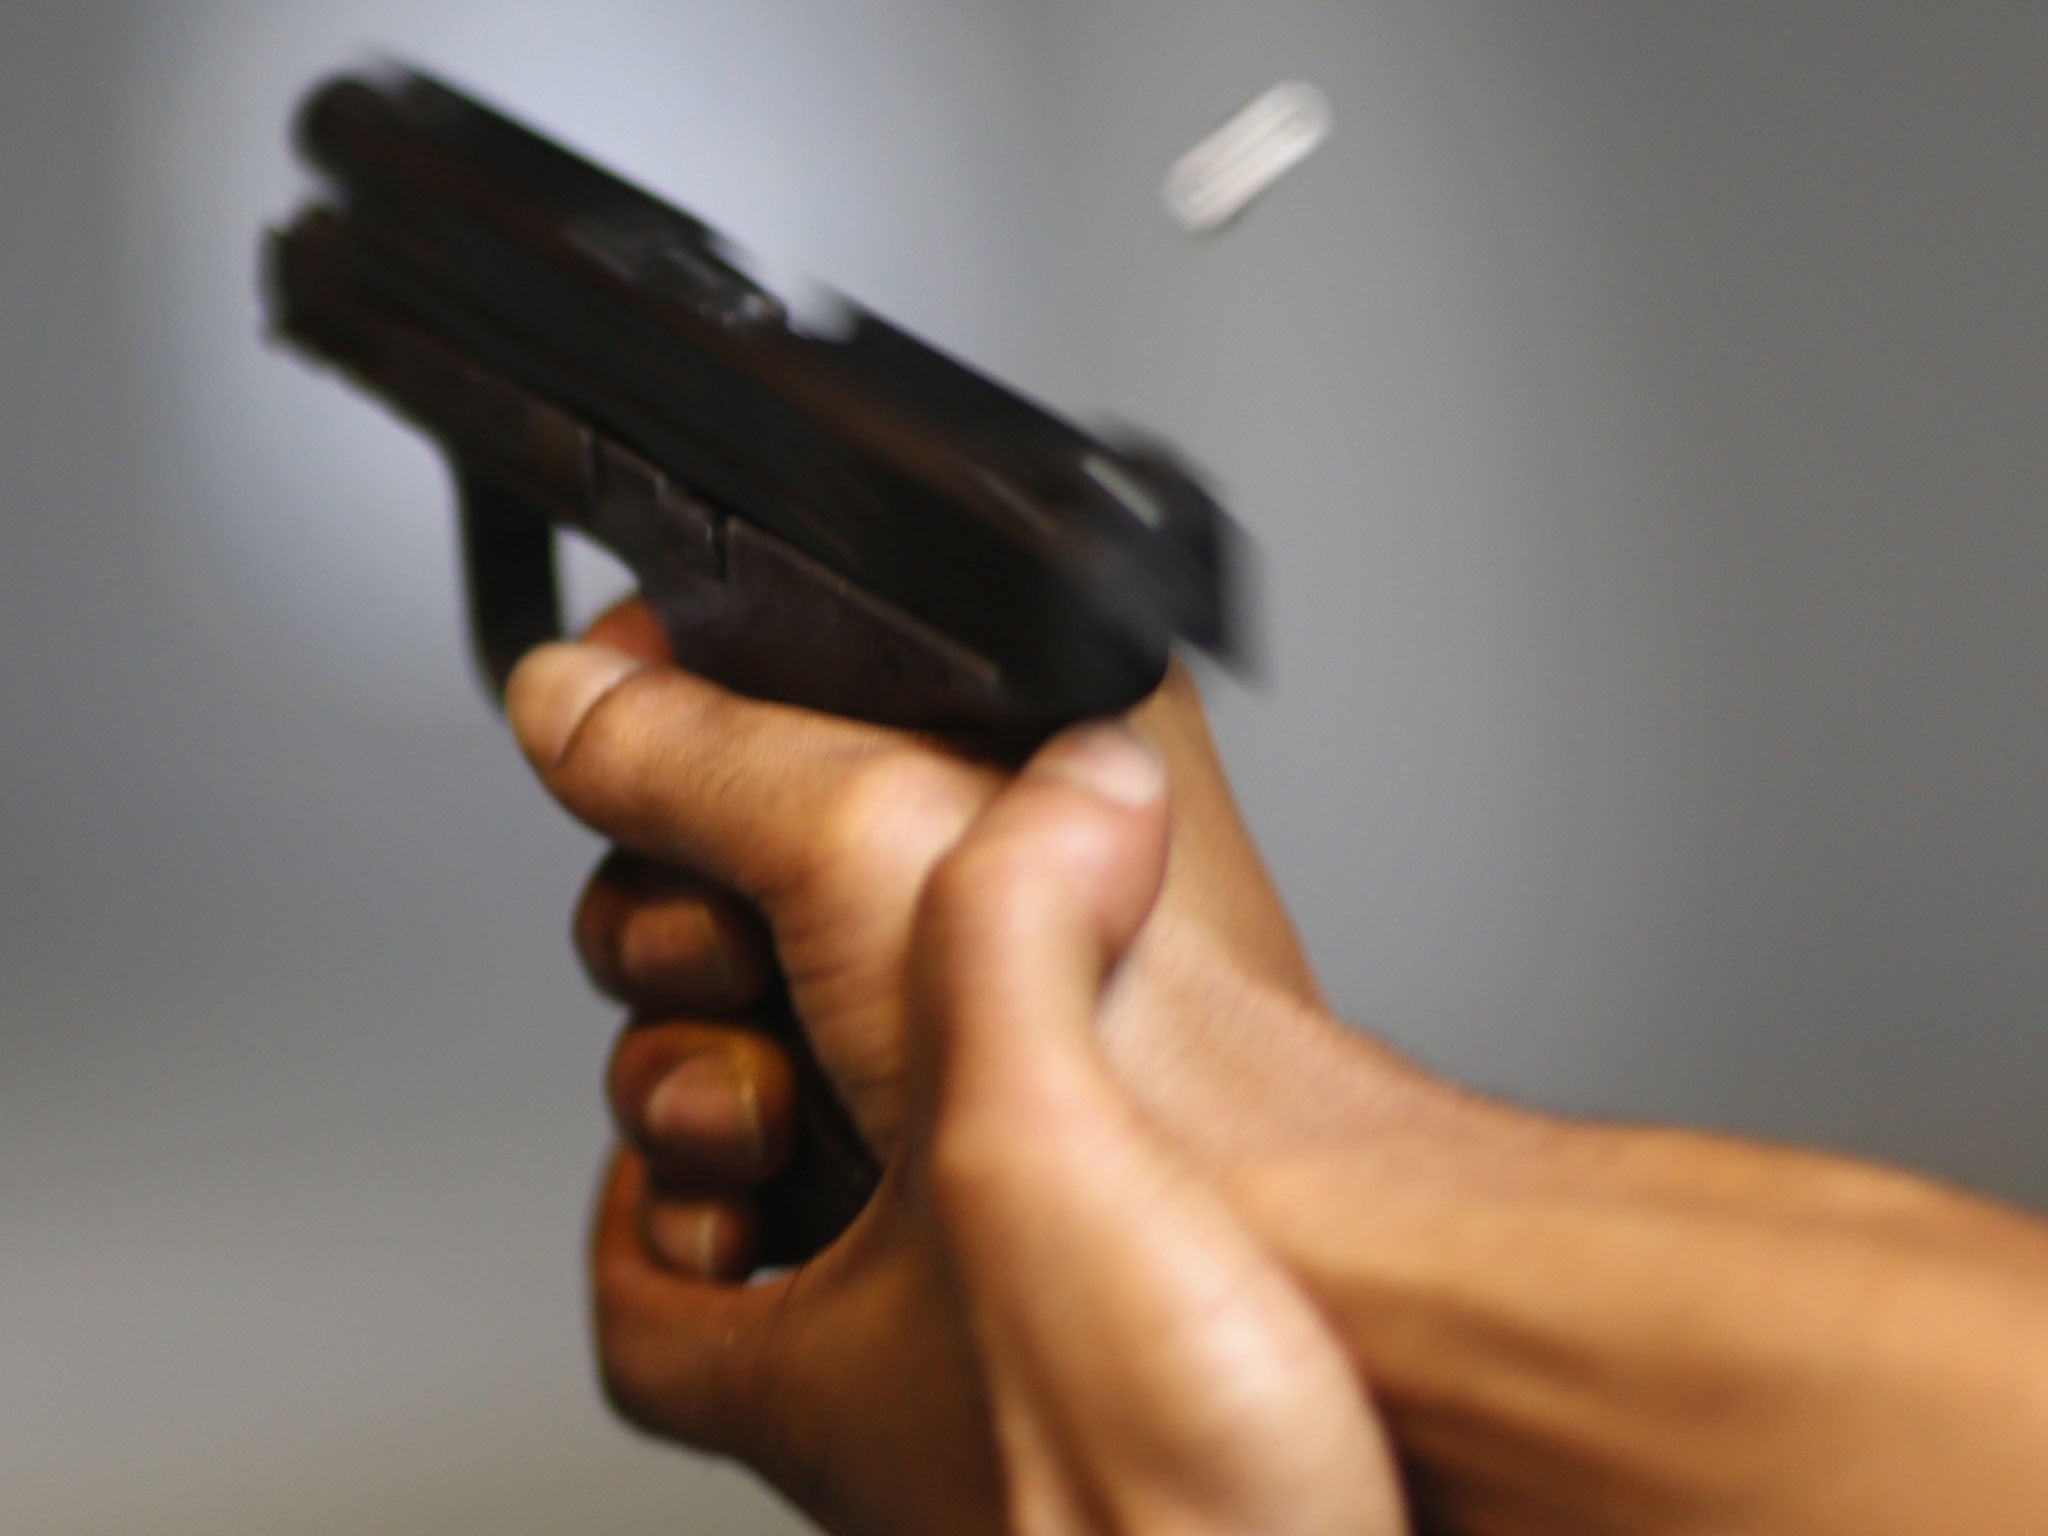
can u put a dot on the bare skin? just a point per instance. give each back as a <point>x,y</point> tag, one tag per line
<point>1157,1376</point>
<point>1568,1327</point>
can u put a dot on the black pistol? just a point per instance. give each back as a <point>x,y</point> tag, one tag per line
<point>821,509</point>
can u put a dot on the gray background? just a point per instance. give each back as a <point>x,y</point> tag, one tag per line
<point>1641,410</point>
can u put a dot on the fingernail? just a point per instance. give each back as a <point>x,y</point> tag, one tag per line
<point>703,1242</point>
<point>683,951</point>
<point>553,688</point>
<point>707,1105</point>
<point>1107,759</point>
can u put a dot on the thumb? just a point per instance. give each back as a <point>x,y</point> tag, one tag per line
<point>1148,1366</point>
<point>1023,922</point>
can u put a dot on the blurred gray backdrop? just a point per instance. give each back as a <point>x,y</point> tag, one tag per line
<point>1643,411</point>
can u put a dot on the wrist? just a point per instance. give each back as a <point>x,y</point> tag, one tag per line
<point>1238,1063</point>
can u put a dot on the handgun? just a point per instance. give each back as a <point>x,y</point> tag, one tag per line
<point>820,509</point>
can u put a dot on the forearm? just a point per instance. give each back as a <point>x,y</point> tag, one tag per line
<point>1578,1328</point>
<point>1573,1328</point>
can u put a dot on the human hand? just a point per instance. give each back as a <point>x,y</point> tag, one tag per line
<point>723,807</point>
<point>1055,1365</point>
<point>1570,1327</point>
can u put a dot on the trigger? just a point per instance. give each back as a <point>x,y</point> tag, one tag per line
<point>508,559</point>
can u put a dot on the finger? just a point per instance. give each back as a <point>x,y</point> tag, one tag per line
<point>676,1356</point>
<point>700,1235</point>
<point>629,625</point>
<point>1145,1356</point>
<point>705,1104</point>
<point>1023,919</point>
<point>756,797</point>
<point>666,941</point>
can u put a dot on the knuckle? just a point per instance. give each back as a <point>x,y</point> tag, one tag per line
<point>626,1384</point>
<point>972,879</point>
<point>597,933</point>
<point>871,790</point>
<point>627,1078</point>
<point>995,880</point>
<point>617,1283</point>
<point>608,730</point>
<point>892,802</point>
<point>979,1168</point>
<point>622,751</point>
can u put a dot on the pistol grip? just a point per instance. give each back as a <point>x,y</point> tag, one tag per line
<point>831,1172</point>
